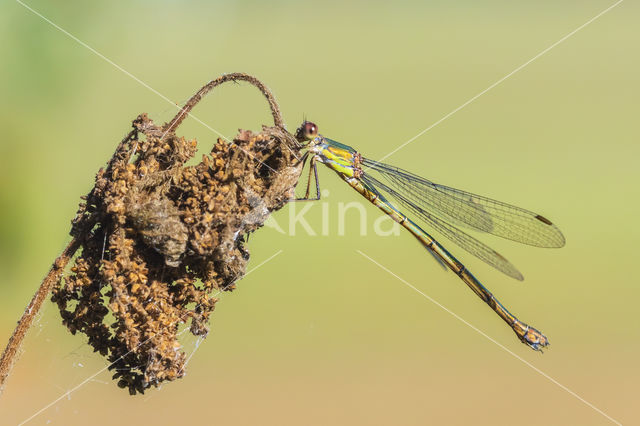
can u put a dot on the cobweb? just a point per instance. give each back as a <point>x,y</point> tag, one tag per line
<point>87,368</point>
<point>68,366</point>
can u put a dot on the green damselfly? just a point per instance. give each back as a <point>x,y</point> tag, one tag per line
<point>442,208</point>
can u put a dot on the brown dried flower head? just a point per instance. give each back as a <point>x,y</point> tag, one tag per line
<point>159,238</point>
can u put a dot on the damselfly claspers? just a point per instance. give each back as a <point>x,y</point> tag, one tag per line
<point>442,208</point>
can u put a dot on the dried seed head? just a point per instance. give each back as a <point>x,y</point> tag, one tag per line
<point>155,212</point>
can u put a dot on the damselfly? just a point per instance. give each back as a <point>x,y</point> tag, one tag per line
<point>442,208</point>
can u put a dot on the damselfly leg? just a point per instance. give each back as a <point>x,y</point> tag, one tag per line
<point>312,169</point>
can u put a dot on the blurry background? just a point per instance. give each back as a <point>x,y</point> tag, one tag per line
<point>319,334</point>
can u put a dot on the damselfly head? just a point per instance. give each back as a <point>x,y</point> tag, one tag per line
<point>307,131</point>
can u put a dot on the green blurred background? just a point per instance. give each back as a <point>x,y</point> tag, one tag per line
<point>319,334</point>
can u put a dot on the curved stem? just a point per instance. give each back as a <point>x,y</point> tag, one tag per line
<point>186,109</point>
<point>9,355</point>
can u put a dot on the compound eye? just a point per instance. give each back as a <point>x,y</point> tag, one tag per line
<point>310,129</point>
<point>307,131</point>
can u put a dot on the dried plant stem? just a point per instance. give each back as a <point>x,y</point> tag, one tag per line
<point>186,109</point>
<point>10,353</point>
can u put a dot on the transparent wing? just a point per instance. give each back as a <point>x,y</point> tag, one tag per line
<point>473,211</point>
<point>465,241</point>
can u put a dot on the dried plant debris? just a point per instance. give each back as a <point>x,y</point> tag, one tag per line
<point>159,239</point>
